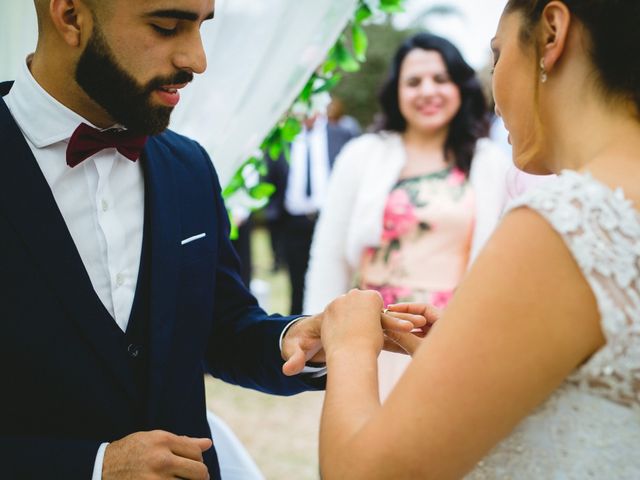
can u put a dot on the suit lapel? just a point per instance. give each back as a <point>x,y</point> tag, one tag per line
<point>165,237</point>
<point>30,207</point>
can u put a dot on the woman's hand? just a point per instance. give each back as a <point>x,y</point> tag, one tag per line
<point>408,342</point>
<point>357,318</point>
<point>353,321</point>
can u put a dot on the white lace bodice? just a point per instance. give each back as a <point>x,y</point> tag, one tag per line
<point>590,427</point>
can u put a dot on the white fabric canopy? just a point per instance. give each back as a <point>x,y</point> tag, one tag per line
<point>260,54</point>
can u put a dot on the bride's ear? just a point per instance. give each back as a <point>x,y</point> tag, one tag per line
<point>554,31</point>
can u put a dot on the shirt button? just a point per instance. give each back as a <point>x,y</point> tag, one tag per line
<point>105,205</point>
<point>133,350</point>
<point>119,280</point>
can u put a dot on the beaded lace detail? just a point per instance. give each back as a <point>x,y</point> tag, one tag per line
<point>590,427</point>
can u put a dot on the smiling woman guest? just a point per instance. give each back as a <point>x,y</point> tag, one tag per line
<point>407,207</point>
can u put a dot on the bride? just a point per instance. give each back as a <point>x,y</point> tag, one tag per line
<point>533,371</point>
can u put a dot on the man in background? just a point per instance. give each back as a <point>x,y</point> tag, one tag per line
<point>300,191</point>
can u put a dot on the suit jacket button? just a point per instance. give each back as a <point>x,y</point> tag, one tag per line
<point>134,350</point>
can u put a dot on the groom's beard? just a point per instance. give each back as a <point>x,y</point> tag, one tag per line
<point>118,93</point>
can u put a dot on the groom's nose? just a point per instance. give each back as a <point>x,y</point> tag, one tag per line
<point>191,55</point>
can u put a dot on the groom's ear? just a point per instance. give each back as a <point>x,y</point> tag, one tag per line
<point>72,20</point>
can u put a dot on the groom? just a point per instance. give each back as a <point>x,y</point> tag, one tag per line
<point>119,286</point>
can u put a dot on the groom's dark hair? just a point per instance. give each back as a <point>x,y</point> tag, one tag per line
<point>42,9</point>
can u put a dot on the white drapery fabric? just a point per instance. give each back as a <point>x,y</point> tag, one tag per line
<point>260,55</point>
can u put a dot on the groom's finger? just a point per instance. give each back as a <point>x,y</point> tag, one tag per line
<point>295,363</point>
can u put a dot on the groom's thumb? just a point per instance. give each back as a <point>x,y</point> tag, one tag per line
<point>295,363</point>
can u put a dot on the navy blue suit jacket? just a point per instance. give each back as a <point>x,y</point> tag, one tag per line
<point>67,385</point>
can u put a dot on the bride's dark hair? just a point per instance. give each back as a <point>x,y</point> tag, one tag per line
<point>615,38</point>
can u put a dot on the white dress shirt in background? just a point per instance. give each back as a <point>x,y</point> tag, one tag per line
<point>296,201</point>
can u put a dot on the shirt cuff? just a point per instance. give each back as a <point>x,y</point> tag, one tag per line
<point>97,466</point>
<point>314,372</point>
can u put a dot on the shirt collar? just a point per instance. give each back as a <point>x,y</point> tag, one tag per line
<point>42,119</point>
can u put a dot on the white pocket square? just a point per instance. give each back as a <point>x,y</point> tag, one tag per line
<point>193,239</point>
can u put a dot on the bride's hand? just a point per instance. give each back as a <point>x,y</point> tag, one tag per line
<point>408,342</point>
<point>352,321</point>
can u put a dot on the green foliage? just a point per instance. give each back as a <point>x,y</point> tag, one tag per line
<point>391,6</point>
<point>347,55</point>
<point>359,91</point>
<point>360,42</point>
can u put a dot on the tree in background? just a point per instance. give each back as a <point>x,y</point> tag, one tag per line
<point>359,90</point>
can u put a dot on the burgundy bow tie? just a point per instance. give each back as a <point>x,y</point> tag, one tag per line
<point>87,141</point>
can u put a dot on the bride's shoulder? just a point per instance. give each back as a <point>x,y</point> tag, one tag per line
<point>573,198</point>
<point>598,223</point>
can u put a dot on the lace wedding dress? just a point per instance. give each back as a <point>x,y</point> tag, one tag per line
<point>590,427</point>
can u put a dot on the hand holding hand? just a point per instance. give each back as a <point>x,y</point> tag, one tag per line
<point>156,455</point>
<point>354,321</point>
<point>408,342</point>
<point>302,342</point>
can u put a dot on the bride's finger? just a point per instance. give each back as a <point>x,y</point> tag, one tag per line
<point>401,322</point>
<point>417,320</point>
<point>391,346</point>
<point>406,341</point>
<point>431,313</point>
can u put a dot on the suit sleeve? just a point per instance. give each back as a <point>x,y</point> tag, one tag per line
<point>243,348</point>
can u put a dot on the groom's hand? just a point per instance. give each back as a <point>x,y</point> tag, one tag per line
<point>156,455</point>
<point>301,344</point>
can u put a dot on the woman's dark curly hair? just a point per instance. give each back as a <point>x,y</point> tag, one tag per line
<point>470,123</point>
<point>615,38</point>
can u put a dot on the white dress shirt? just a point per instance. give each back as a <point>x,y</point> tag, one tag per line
<point>101,200</point>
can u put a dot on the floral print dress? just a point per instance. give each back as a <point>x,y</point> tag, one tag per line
<point>428,222</point>
<point>426,237</point>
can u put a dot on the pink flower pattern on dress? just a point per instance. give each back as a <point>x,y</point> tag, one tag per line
<point>404,221</point>
<point>399,215</point>
<point>441,299</point>
<point>390,294</point>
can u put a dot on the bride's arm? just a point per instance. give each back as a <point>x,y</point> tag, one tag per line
<point>521,321</point>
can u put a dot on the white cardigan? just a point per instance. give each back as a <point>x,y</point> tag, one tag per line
<point>351,219</point>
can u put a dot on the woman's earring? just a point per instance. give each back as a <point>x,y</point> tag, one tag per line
<point>543,72</point>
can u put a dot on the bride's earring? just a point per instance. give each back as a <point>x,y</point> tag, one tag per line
<point>543,72</point>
